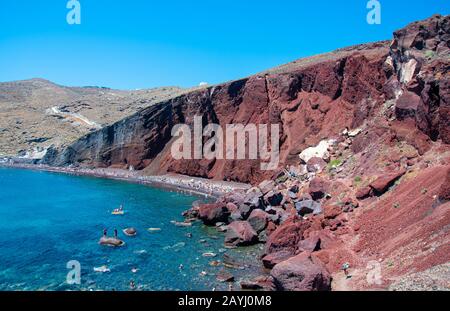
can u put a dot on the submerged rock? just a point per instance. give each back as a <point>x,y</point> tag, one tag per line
<point>130,231</point>
<point>114,242</point>
<point>102,269</point>
<point>260,282</point>
<point>181,223</point>
<point>224,276</point>
<point>153,229</point>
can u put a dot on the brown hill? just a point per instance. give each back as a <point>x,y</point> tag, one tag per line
<point>36,113</point>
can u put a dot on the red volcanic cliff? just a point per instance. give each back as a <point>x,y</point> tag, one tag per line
<point>375,199</point>
<point>311,99</point>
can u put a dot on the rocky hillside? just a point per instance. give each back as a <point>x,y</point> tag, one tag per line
<point>36,114</point>
<point>399,88</point>
<point>364,169</point>
<point>373,197</point>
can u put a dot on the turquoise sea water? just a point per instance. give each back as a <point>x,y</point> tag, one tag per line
<point>48,219</point>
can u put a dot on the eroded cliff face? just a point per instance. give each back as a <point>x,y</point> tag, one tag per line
<point>406,82</point>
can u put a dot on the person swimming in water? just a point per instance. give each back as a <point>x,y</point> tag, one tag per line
<point>105,232</point>
<point>118,210</point>
<point>132,285</point>
<point>115,233</point>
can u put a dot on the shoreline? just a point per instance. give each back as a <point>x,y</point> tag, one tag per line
<point>207,188</point>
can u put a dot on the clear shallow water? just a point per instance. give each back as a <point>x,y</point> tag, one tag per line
<point>47,219</point>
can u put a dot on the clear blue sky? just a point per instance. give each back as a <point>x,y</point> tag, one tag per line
<point>146,43</point>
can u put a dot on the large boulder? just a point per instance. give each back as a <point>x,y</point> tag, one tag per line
<point>315,165</point>
<point>277,215</point>
<point>235,197</point>
<point>245,210</point>
<point>240,233</point>
<point>307,207</point>
<point>266,186</point>
<point>253,198</point>
<point>332,211</point>
<point>382,183</point>
<point>318,187</point>
<point>270,260</point>
<point>311,244</point>
<point>258,220</point>
<point>287,236</point>
<point>235,214</point>
<point>363,192</point>
<point>301,273</point>
<point>212,213</point>
<point>273,198</point>
<point>408,105</point>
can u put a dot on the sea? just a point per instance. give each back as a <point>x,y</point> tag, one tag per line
<point>51,223</point>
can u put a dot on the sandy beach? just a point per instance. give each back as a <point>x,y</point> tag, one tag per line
<point>186,184</point>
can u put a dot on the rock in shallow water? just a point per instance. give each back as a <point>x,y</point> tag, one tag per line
<point>224,276</point>
<point>111,242</point>
<point>130,231</point>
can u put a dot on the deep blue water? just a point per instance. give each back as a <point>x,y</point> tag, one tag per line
<point>48,219</point>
